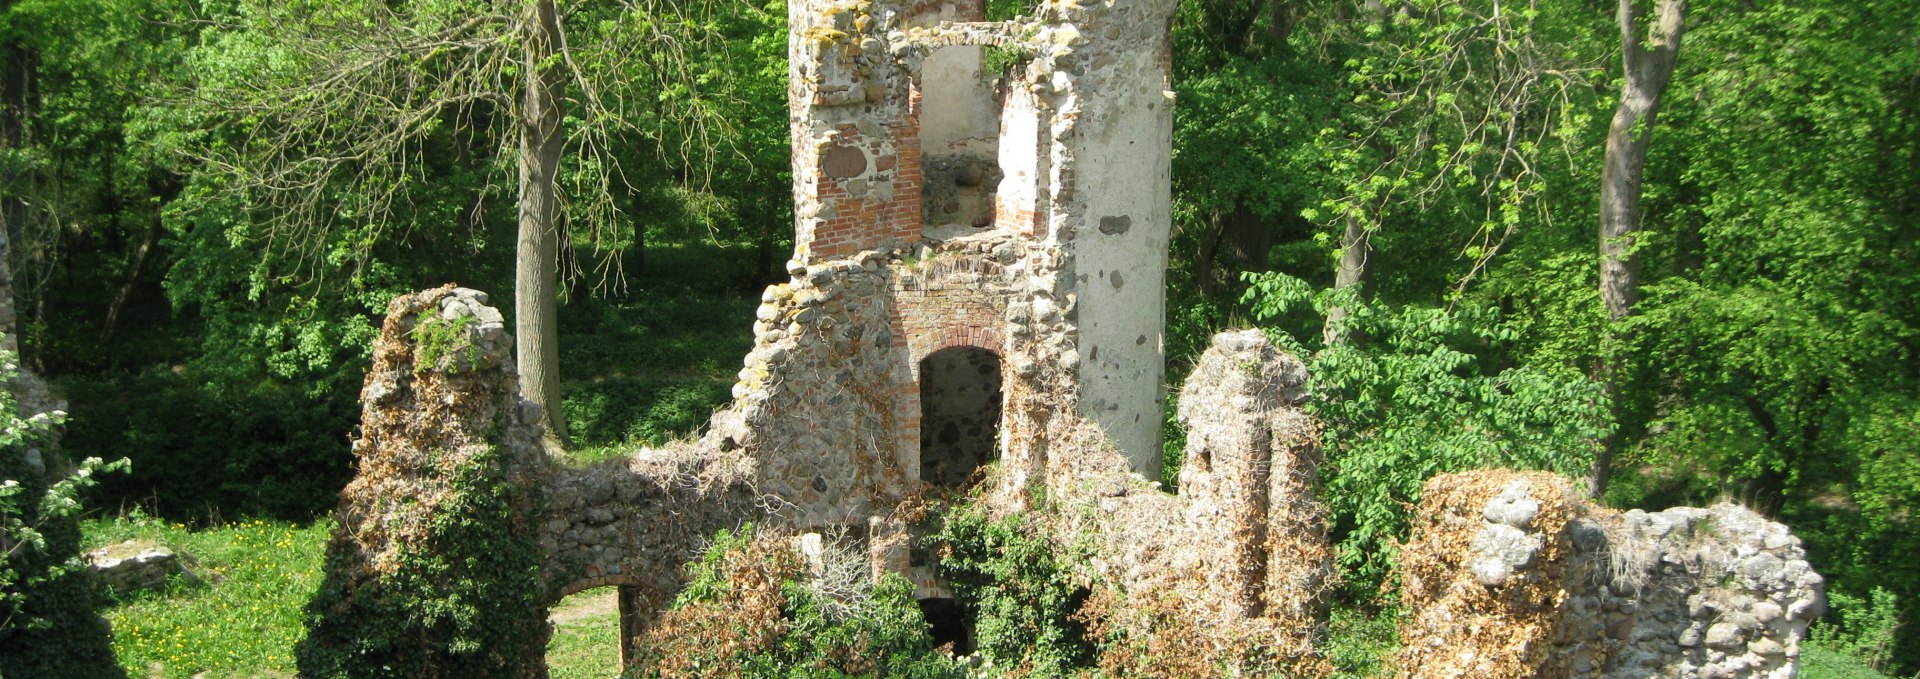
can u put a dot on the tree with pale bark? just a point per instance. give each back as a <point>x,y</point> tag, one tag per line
<point>318,115</point>
<point>1648,64</point>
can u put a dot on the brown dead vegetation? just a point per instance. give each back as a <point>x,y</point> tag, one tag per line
<point>709,638</point>
<point>1461,628</point>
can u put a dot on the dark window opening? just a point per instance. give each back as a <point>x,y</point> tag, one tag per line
<point>959,414</point>
<point>948,625</point>
<point>960,142</point>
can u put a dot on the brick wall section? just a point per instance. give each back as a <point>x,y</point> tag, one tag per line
<point>878,208</point>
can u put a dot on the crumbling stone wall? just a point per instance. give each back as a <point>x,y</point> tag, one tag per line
<point>1252,458</point>
<point>815,405</point>
<point>444,441</point>
<point>1239,560</point>
<point>616,523</point>
<point>1515,575</point>
<point>1078,173</point>
<point>952,297</point>
<point>433,569</point>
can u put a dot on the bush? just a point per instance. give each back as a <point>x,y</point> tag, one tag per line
<point>206,446</point>
<point>750,608</point>
<point>1363,645</point>
<point>1856,635</point>
<point>625,410</point>
<point>1017,590</point>
<point>463,600</point>
<point>47,623</point>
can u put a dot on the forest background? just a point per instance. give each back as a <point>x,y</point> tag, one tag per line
<point>1409,195</point>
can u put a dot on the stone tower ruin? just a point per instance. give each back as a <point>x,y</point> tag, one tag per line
<point>1032,201</point>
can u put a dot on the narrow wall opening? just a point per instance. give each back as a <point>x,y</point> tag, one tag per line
<point>587,634</point>
<point>960,400</point>
<point>948,625</point>
<point>959,141</point>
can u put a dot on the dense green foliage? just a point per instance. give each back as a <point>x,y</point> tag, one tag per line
<point>1422,399</point>
<point>47,619</point>
<point>1769,359</point>
<point>1015,589</point>
<point>198,336</point>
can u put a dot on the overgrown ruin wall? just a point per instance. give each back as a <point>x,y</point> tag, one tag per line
<point>1514,575</point>
<point>1509,574</point>
<point>1240,557</point>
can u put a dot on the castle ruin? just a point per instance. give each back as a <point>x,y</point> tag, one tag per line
<point>978,277</point>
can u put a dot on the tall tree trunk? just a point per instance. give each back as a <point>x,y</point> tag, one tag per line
<point>536,260</point>
<point>18,95</point>
<point>1648,66</point>
<point>162,189</point>
<point>1354,264</point>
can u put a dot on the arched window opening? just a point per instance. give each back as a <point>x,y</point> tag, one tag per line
<point>960,402</point>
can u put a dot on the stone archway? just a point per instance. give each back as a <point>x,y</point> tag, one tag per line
<point>960,407</point>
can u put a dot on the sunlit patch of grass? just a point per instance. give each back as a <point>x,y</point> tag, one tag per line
<point>243,619</point>
<point>586,637</point>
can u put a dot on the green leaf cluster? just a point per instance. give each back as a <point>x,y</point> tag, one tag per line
<point>1423,394</point>
<point>1016,588</point>
<point>48,626</point>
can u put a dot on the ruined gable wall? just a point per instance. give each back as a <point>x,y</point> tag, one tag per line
<point>1238,560</point>
<point>815,404</point>
<point>856,147</point>
<point>445,506</point>
<point>1252,457</point>
<point>828,400</point>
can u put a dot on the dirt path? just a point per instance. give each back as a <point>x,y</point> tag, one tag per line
<point>592,605</point>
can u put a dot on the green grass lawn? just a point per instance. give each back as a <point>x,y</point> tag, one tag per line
<point>586,636</point>
<point>244,619</point>
<point>241,620</point>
